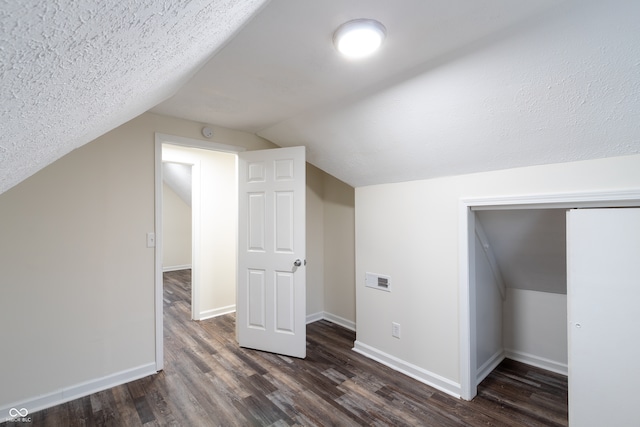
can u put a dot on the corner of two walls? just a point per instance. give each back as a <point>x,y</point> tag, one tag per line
<point>330,249</point>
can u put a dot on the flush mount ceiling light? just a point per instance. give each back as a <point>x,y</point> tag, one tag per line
<point>359,38</point>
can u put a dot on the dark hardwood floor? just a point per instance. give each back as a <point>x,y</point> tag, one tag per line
<point>209,381</point>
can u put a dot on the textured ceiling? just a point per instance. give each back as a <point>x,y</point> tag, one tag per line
<point>73,70</point>
<point>460,86</point>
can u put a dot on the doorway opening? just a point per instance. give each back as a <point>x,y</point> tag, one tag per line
<point>213,221</point>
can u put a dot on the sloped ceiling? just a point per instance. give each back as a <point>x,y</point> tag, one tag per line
<point>459,86</point>
<point>530,247</point>
<point>71,71</point>
<point>178,177</point>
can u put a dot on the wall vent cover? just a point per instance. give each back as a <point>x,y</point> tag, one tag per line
<point>378,281</point>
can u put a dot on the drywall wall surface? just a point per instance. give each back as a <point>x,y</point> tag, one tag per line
<point>77,278</point>
<point>176,231</point>
<point>409,231</point>
<point>488,311</point>
<point>339,250</point>
<point>535,326</point>
<point>315,269</point>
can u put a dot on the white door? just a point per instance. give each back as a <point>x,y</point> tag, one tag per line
<point>603,294</point>
<point>271,304</point>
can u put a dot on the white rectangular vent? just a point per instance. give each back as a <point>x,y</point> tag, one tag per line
<point>378,281</point>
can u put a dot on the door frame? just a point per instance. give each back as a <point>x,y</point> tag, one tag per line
<point>161,139</point>
<point>467,274</point>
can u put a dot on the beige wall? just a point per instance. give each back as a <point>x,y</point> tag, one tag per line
<point>410,232</point>
<point>77,306</point>
<point>77,278</point>
<point>315,242</point>
<point>176,231</point>
<point>339,251</point>
<point>330,248</point>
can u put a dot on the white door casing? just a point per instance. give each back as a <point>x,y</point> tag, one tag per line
<point>271,295</point>
<point>603,290</point>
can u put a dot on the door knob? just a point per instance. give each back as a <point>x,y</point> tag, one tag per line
<point>299,262</point>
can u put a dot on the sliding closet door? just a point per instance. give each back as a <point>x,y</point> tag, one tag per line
<point>603,267</point>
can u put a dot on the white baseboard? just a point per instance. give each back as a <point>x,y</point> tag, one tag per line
<point>434,380</point>
<point>315,317</point>
<point>215,312</point>
<point>345,323</point>
<point>176,268</point>
<point>323,315</point>
<point>73,392</point>
<point>537,361</point>
<point>489,365</point>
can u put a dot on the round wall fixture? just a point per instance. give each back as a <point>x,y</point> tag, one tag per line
<point>207,132</point>
<point>359,38</point>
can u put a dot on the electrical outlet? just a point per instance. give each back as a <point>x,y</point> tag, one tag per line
<point>395,329</point>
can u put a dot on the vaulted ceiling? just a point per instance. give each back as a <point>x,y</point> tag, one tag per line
<point>459,86</point>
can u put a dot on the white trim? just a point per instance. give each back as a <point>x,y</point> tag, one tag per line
<point>345,323</point>
<point>467,301</point>
<point>76,391</point>
<point>315,317</point>
<point>215,312</point>
<point>466,236</point>
<point>489,365</point>
<point>197,143</point>
<point>537,361</point>
<point>176,268</point>
<point>598,199</point>
<point>431,379</point>
<point>330,317</point>
<point>158,286</point>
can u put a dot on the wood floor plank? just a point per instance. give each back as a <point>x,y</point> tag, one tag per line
<point>208,380</point>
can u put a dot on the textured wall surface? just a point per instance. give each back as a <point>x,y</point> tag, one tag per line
<point>71,71</point>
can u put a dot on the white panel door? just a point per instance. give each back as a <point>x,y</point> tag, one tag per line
<point>603,294</point>
<point>271,304</point>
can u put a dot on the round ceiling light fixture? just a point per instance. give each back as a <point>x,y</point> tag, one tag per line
<point>359,38</point>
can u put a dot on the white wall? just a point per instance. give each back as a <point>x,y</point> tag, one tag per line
<point>215,223</point>
<point>176,231</point>
<point>489,348</point>
<point>535,328</point>
<point>410,231</point>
